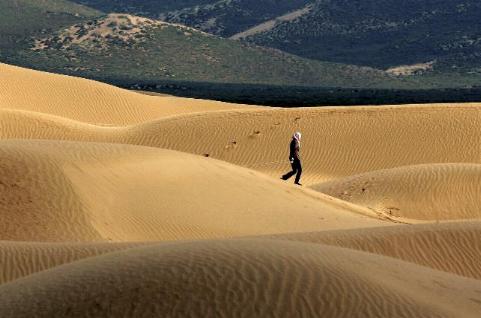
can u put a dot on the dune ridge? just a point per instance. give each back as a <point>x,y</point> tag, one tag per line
<point>114,203</point>
<point>338,142</point>
<point>452,247</point>
<point>90,101</point>
<point>347,141</point>
<point>19,259</point>
<point>185,278</point>
<point>71,191</point>
<point>427,192</point>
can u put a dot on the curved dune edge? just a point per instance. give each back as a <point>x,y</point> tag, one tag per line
<point>427,192</point>
<point>90,101</point>
<point>81,219</point>
<point>73,191</point>
<point>337,142</point>
<point>20,259</point>
<point>241,278</point>
<point>450,247</point>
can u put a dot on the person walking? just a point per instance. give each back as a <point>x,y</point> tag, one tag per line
<point>295,159</point>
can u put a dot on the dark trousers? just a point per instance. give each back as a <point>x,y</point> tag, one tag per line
<point>296,170</point>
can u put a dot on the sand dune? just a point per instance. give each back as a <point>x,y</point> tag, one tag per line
<point>427,192</point>
<point>241,278</point>
<point>450,247</point>
<point>337,142</point>
<point>89,101</point>
<point>84,206</point>
<point>65,191</point>
<point>20,259</point>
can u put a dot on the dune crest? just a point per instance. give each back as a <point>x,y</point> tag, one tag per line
<point>452,247</point>
<point>90,101</point>
<point>337,142</point>
<point>241,278</point>
<point>427,192</point>
<point>114,203</point>
<point>23,258</point>
<point>69,191</point>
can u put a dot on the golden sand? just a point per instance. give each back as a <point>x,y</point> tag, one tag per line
<point>114,203</point>
<point>89,101</point>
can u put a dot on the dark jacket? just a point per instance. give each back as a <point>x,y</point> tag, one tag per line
<point>294,150</point>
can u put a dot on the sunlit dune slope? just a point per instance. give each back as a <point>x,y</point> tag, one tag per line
<point>241,278</point>
<point>89,101</point>
<point>70,191</point>
<point>95,224</point>
<point>337,142</point>
<point>452,247</point>
<point>20,259</point>
<point>428,192</point>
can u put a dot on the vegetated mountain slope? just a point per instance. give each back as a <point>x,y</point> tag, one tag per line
<point>220,17</point>
<point>436,39</point>
<point>128,47</point>
<point>385,33</point>
<point>21,19</point>
<point>150,8</point>
<point>229,17</point>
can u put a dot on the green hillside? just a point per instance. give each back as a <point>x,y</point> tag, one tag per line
<point>149,8</point>
<point>129,47</point>
<point>219,17</point>
<point>433,44</point>
<point>385,33</point>
<point>228,17</point>
<point>20,19</point>
<point>437,39</point>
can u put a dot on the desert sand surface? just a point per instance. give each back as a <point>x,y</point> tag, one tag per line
<point>89,101</point>
<point>241,278</point>
<point>23,258</point>
<point>428,192</point>
<point>338,142</point>
<point>115,203</point>
<point>452,247</point>
<point>70,191</point>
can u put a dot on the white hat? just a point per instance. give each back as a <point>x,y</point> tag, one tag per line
<point>297,136</point>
